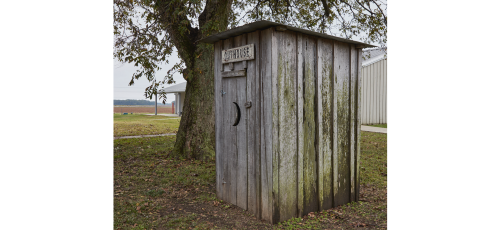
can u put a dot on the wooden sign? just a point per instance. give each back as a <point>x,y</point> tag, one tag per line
<point>241,53</point>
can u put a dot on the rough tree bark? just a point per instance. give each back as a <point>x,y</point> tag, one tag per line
<point>196,135</point>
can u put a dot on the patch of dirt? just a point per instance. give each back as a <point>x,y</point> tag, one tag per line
<point>213,214</point>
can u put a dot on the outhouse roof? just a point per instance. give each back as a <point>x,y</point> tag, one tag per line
<point>260,25</point>
<point>179,88</point>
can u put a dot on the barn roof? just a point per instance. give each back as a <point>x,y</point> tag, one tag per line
<point>179,88</point>
<point>373,55</point>
<point>260,25</point>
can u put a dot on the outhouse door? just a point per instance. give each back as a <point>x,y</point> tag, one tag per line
<point>233,151</point>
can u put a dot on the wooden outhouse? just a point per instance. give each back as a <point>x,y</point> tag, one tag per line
<point>287,119</point>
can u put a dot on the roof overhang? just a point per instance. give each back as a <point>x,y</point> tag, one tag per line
<point>261,25</point>
<point>179,88</point>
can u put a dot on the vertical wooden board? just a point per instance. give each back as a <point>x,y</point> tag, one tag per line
<point>300,128</point>
<point>352,104</point>
<point>287,118</point>
<point>309,125</point>
<point>228,142</point>
<point>218,119</point>
<point>241,135</point>
<point>276,36</point>
<point>226,138</point>
<point>325,123</point>
<point>342,61</point>
<point>319,121</point>
<point>335,164</point>
<point>267,123</point>
<point>233,144</point>
<point>358,123</point>
<point>231,138</point>
<point>241,132</point>
<point>258,125</point>
<point>253,128</point>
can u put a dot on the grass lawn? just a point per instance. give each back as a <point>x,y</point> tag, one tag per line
<point>379,125</point>
<point>140,124</point>
<point>155,191</point>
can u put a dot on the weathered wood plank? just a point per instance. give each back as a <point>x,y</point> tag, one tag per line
<point>235,73</point>
<point>233,140</point>
<point>358,122</point>
<point>276,37</point>
<point>287,118</point>
<point>229,86</point>
<point>352,117</point>
<point>267,123</point>
<point>241,132</point>
<point>300,128</point>
<point>335,127</point>
<point>319,122</point>
<point>309,125</point>
<point>226,138</point>
<point>253,128</point>
<point>218,119</point>
<point>325,122</point>
<point>341,65</point>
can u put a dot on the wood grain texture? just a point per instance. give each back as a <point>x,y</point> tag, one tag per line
<point>352,117</point>
<point>358,122</point>
<point>287,128</point>
<point>335,127</point>
<point>276,37</point>
<point>310,163</point>
<point>218,119</point>
<point>319,123</point>
<point>325,123</point>
<point>230,141</point>
<point>235,73</point>
<point>342,89</point>
<point>300,128</point>
<point>267,124</point>
<point>252,128</point>
<point>241,132</point>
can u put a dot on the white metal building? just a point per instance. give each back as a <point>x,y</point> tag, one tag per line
<point>374,86</point>
<point>180,91</point>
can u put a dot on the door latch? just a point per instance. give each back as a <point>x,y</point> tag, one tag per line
<point>248,104</point>
<point>222,92</point>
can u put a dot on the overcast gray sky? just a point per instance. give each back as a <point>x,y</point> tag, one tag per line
<point>122,73</point>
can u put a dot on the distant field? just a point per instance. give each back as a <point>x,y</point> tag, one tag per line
<point>140,124</point>
<point>142,109</point>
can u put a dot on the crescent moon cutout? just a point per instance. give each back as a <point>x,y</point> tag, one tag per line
<point>238,115</point>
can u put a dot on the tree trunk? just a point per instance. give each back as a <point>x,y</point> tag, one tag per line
<point>196,135</point>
